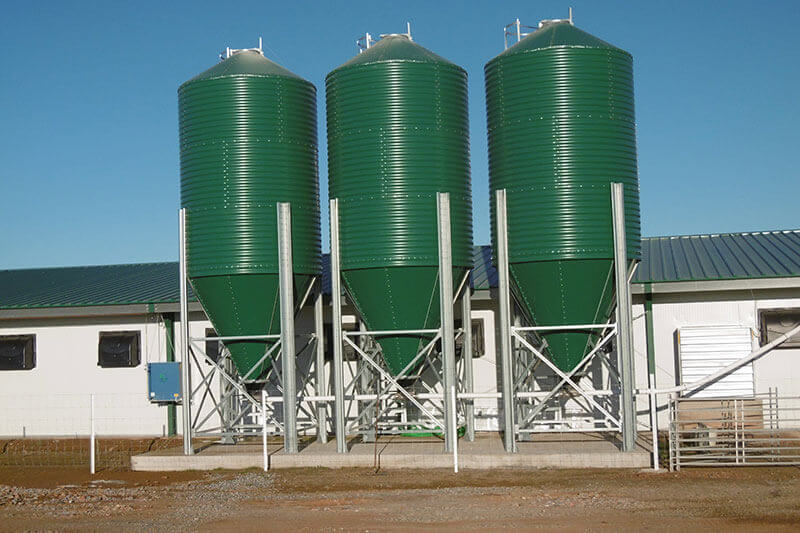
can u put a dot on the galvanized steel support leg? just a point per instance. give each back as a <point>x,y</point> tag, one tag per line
<point>469,379</point>
<point>226,400</point>
<point>186,384</point>
<point>366,409</point>
<point>285,274</point>
<point>446,309</point>
<point>321,387</point>
<point>504,291</point>
<point>624,319</point>
<point>336,319</point>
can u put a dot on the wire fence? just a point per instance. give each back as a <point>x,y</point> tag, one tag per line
<point>99,431</point>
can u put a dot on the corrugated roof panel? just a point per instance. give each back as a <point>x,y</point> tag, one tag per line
<point>664,259</point>
<point>720,256</point>
<point>92,285</point>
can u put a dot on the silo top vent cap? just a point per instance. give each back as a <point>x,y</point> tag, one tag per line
<point>365,41</point>
<point>228,52</point>
<point>517,30</point>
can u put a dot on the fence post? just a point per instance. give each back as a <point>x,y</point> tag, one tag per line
<point>92,435</point>
<point>455,427</point>
<point>265,452</point>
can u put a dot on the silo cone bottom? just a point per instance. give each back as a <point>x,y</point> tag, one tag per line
<point>245,304</point>
<point>399,298</point>
<point>566,292</point>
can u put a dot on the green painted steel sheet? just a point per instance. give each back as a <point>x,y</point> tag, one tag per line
<point>398,298</point>
<point>561,129</point>
<point>248,139</point>
<point>398,133</point>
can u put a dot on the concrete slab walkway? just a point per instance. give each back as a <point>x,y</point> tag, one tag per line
<point>577,450</point>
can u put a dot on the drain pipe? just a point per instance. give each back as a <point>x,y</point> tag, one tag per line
<point>651,369</point>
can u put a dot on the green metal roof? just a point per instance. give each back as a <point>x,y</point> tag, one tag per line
<point>725,256</point>
<point>766,254</point>
<point>89,286</point>
<point>555,35</point>
<point>395,48</point>
<point>245,63</point>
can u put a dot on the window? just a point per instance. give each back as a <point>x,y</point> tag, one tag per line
<point>478,344</point>
<point>212,347</point>
<point>17,352</point>
<point>776,322</point>
<point>118,349</point>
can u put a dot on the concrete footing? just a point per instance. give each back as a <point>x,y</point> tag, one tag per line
<point>546,451</point>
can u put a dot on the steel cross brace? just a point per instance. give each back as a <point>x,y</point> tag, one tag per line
<point>394,382</point>
<point>233,382</point>
<point>425,351</point>
<point>536,410</point>
<point>566,379</point>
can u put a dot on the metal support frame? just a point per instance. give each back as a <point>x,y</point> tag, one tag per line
<point>186,384</point>
<point>235,402</point>
<point>436,409</point>
<point>319,368</point>
<point>285,275</point>
<point>336,319</point>
<point>446,314</point>
<point>466,350</point>
<point>504,290</point>
<point>624,319</point>
<point>522,354</point>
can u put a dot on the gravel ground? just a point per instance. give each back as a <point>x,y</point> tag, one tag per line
<point>362,500</point>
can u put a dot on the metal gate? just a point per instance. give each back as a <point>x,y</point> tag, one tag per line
<point>760,430</point>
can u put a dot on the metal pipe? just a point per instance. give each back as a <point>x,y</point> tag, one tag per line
<point>336,303</point>
<point>446,313</point>
<point>651,371</point>
<point>565,328</point>
<point>453,423</point>
<point>169,333</point>
<point>388,332</point>
<point>504,293</point>
<point>728,369</point>
<point>92,436</point>
<point>285,274</point>
<point>319,368</point>
<point>186,384</point>
<point>434,396</point>
<point>265,451</point>
<point>469,378</point>
<point>237,338</point>
<point>624,321</point>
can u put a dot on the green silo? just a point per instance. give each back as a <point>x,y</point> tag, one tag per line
<point>561,129</point>
<point>248,140</point>
<point>398,133</point>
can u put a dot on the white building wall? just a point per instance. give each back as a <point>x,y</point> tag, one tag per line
<point>780,368</point>
<point>52,398</point>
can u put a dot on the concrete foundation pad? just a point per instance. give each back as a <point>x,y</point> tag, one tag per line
<point>545,451</point>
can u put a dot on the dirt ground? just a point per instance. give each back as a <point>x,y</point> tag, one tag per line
<point>752,499</point>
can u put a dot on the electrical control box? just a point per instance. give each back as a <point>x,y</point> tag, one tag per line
<point>164,382</point>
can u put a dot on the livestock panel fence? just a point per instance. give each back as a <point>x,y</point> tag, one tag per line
<point>760,430</point>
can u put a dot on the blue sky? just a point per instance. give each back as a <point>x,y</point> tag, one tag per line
<point>89,145</point>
